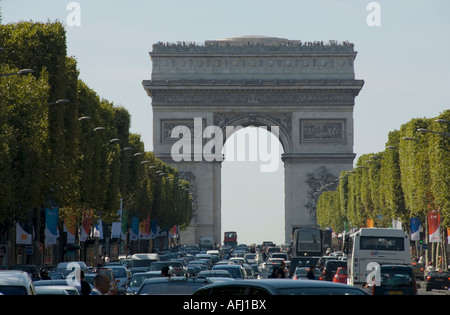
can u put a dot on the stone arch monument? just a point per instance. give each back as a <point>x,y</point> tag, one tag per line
<point>305,89</point>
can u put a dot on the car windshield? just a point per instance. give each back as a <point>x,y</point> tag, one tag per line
<point>440,274</point>
<point>137,280</point>
<point>158,266</point>
<point>108,273</point>
<point>171,287</point>
<point>234,272</point>
<point>120,273</point>
<point>304,272</point>
<point>12,290</point>
<point>333,266</point>
<point>304,262</point>
<point>396,277</point>
<point>141,263</point>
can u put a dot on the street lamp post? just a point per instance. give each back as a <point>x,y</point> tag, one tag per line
<point>442,121</point>
<point>61,101</point>
<point>445,134</point>
<point>20,72</point>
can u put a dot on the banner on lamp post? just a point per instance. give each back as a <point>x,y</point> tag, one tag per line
<point>24,233</point>
<point>98,230</point>
<point>134,231</point>
<point>70,227</point>
<point>51,225</point>
<point>434,226</point>
<point>119,228</point>
<point>86,226</point>
<point>415,229</point>
<point>448,235</point>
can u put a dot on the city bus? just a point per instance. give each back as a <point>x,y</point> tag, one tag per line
<point>230,238</point>
<point>307,241</point>
<point>370,248</point>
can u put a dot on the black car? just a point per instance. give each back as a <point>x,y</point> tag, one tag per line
<point>439,280</point>
<point>396,280</point>
<point>331,267</point>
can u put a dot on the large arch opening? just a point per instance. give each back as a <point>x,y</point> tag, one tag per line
<point>252,194</point>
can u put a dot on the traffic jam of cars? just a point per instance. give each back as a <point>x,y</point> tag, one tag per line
<point>265,269</point>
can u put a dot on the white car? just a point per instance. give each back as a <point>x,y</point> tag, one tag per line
<point>16,282</point>
<point>122,275</point>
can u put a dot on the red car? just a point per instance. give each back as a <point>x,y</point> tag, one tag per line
<point>341,275</point>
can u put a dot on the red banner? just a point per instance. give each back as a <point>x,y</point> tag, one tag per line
<point>86,225</point>
<point>434,221</point>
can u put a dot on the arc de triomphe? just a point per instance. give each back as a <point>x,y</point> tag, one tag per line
<point>307,90</point>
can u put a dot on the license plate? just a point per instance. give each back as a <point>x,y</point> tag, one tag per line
<point>439,279</point>
<point>395,292</point>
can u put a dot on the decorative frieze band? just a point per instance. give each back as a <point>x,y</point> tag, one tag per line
<point>252,97</point>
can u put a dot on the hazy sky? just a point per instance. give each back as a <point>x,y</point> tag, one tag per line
<point>404,62</point>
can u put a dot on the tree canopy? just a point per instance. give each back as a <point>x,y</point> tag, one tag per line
<point>63,144</point>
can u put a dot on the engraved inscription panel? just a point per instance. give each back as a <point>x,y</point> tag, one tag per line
<point>322,130</point>
<point>168,124</point>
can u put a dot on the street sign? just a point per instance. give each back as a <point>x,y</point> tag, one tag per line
<point>28,250</point>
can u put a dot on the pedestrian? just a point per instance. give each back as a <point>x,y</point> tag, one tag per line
<point>274,273</point>
<point>165,271</point>
<point>44,275</point>
<point>310,275</point>
<point>85,287</point>
<point>101,285</point>
<point>280,272</point>
<point>430,267</point>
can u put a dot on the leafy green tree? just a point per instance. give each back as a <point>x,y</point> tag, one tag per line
<point>439,161</point>
<point>62,143</point>
<point>414,165</point>
<point>392,190</point>
<point>328,211</point>
<point>23,150</point>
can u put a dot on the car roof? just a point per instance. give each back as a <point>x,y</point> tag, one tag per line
<point>14,277</point>
<point>114,266</point>
<point>396,267</point>
<point>275,284</point>
<point>213,271</point>
<point>65,263</point>
<point>54,289</point>
<point>51,282</point>
<point>174,279</point>
<point>154,272</point>
<point>226,266</point>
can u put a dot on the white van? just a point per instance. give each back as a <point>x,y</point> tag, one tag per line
<point>143,260</point>
<point>16,282</point>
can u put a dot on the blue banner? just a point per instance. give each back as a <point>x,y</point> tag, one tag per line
<point>415,229</point>
<point>134,235</point>
<point>51,225</point>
